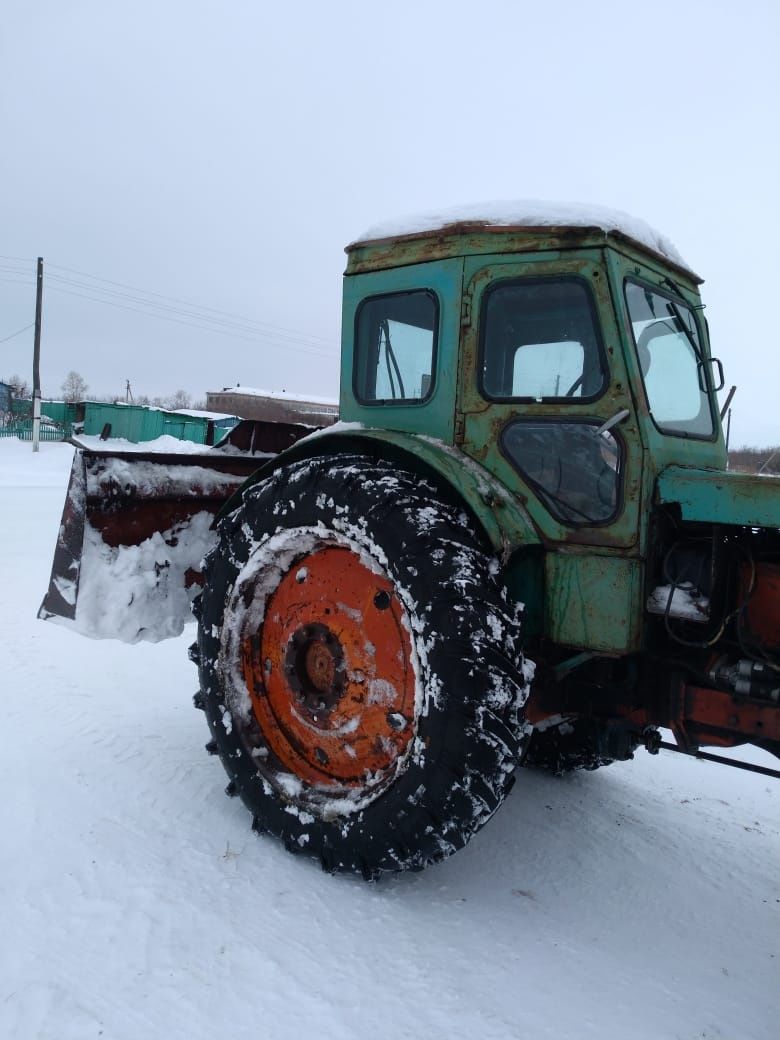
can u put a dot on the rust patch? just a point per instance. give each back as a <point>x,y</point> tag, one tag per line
<point>130,510</point>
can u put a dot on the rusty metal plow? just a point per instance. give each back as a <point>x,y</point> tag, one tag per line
<point>134,530</point>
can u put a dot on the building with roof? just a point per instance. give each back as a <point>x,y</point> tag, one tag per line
<point>274,406</point>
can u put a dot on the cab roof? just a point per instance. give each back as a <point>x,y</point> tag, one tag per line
<point>528,218</point>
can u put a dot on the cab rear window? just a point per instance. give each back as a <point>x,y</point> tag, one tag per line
<point>395,348</point>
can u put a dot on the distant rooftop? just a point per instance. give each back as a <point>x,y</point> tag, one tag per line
<point>194,413</point>
<point>278,395</point>
<point>527,213</point>
<point>274,406</point>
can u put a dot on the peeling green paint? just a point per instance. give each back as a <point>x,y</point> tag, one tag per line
<point>593,602</point>
<point>722,497</point>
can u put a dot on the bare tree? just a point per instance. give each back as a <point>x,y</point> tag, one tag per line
<point>20,385</point>
<point>74,388</point>
<point>181,399</point>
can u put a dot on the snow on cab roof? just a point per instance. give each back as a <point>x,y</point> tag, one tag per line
<point>529,213</point>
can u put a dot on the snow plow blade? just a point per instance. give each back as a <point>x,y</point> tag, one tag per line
<point>134,530</point>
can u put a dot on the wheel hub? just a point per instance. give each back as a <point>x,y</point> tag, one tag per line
<point>330,673</point>
<point>314,666</point>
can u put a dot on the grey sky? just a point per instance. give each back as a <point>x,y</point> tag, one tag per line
<point>224,153</point>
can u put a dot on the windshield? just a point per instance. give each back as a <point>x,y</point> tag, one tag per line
<point>670,358</point>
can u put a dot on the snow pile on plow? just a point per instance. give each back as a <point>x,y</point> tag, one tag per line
<point>134,530</point>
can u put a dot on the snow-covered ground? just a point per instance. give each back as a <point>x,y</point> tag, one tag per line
<point>642,901</point>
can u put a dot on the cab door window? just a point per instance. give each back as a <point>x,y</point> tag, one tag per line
<point>540,342</point>
<point>573,467</point>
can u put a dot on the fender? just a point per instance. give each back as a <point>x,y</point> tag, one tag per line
<point>503,519</point>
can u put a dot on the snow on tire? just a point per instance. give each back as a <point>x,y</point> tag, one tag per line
<point>360,666</point>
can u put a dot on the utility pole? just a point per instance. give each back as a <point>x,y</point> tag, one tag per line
<point>766,462</point>
<point>37,358</point>
<point>726,412</point>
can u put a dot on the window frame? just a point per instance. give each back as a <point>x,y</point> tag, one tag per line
<point>705,356</point>
<point>594,313</point>
<point>384,402</point>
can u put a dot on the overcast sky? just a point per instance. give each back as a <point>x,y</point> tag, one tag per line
<point>224,153</point>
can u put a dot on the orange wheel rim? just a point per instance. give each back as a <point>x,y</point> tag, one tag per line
<point>330,673</point>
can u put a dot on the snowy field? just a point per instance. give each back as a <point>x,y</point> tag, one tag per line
<point>642,901</point>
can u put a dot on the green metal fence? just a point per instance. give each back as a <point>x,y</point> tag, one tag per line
<point>59,411</point>
<point>185,429</point>
<point>23,429</point>
<point>135,423</point>
<point>138,423</point>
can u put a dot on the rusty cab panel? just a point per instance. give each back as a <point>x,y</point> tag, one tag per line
<point>545,405</point>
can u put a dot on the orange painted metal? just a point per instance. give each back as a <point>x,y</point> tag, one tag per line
<point>761,616</point>
<point>330,673</point>
<point>698,715</point>
<point>735,718</point>
<point>538,707</point>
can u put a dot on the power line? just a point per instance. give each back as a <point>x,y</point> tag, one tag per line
<point>187,303</point>
<point>169,308</point>
<point>17,272</point>
<point>178,321</point>
<point>253,336</point>
<point>17,333</point>
<point>17,281</point>
<point>221,323</point>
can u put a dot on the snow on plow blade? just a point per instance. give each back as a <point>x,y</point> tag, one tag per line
<point>134,530</point>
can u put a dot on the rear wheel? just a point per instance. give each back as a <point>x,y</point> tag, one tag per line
<point>360,666</point>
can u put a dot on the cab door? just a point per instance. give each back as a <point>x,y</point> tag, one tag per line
<point>545,406</point>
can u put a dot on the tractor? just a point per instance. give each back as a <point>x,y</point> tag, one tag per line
<point>520,545</point>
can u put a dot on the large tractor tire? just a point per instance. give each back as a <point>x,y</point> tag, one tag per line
<point>360,666</point>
